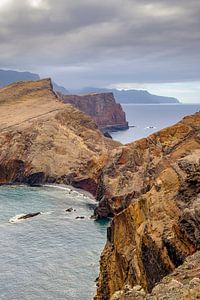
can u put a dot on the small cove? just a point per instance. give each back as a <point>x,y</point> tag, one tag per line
<point>53,255</point>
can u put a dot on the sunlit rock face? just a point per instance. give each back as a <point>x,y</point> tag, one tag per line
<point>102,107</point>
<point>153,188</point>
<point>45,140</point>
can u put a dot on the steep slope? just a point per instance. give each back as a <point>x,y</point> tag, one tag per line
<point>182,284</point>
<point>160,227</point>
<point>44,140</point>
<point>102,108</point>
<point>131,96</point>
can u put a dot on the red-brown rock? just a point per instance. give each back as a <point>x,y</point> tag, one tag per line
<point>101,107</point>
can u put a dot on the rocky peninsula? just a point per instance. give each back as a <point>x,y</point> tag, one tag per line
<point>150,188</point>
<point>44,140</point>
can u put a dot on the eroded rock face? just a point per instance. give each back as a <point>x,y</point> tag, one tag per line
<point>132,169</point>
<point>156,184</point>
<point>44,140</point>
<point>101,107</point>
<point>182,284</point>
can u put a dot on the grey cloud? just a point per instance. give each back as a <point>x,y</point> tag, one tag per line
<point>87,42</point>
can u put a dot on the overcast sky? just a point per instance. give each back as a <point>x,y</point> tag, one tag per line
<point>152,45</point>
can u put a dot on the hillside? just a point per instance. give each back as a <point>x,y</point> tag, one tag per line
<point>45,140</point>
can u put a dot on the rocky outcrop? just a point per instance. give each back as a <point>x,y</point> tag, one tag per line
<point>44,140</point>
<point>132,169</point>
<point>182,284</point>
<point>155,183</point>
<point>102,108</point>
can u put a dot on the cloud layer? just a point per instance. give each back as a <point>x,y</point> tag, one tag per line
<point>92,42</point>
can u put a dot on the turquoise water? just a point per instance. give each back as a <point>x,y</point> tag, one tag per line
<point>53,255</point>
<point>151,118</point>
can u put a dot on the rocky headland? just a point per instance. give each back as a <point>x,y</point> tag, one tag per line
<point>152,188</point>
<point>44,140</point>
<point>102,107</point>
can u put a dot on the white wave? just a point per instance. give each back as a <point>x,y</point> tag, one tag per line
<point>71,190</point>
<point>150,127</point>
<point>46,213</point>
<point>16,218</point>
<point>60,187</point>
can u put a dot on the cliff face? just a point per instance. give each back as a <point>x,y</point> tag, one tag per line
<point>101,107</point>
<point>160,226</point>
<point>133,168</point>
<point>182,284</point>
<point>44,140</point>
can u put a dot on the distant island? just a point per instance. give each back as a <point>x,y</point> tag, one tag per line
<point>130,96</point>
<point>121,96</point>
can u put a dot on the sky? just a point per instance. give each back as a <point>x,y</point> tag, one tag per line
<point>152,45</point>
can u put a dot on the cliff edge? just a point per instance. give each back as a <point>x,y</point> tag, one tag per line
<point>44,140</point>
<point>152,188</point>
<point>102,107</point>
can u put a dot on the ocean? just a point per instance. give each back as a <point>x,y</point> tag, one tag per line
<point>55,256</point>
<point>151,118</point>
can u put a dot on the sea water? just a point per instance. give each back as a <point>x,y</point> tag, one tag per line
<point>148,119</point>
<point>52,255</point>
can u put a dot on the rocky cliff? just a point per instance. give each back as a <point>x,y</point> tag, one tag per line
<point>155,183</point>
<point>181,284</point>
<point>44,140</point>
<point>101,107</point>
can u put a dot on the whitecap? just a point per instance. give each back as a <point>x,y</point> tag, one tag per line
<point>16,218</point>
<point>150,127</point>
<point>46,213</point>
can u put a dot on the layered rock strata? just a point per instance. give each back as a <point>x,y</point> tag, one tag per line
<point>132,169</point>
<point>182,284</point>
<point>44,140</point>
<point>155,183</point>
<point>102,107</point>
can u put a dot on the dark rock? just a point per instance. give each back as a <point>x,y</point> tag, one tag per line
<point>30,215</point>
<point>80,217</point>
<point>35,179</point>
<point>107,134</point>
<point>69,209</point>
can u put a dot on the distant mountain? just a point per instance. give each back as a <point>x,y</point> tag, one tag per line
<point>130,96</point>
<point>10,76</point>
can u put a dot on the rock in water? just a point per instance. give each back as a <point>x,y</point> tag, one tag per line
<point>44,140</point>
<point>30,215</point>
<point>69,209</point>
